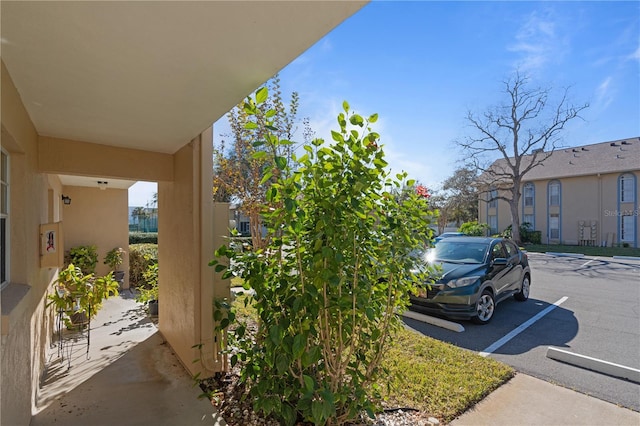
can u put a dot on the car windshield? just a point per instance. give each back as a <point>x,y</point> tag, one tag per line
<point>452,251</point>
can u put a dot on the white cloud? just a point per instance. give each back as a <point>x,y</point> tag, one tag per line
<point>537,42</point>
<point>635,55</point>
<point>604,95</point>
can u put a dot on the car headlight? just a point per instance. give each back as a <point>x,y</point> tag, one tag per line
<point>462,282</point>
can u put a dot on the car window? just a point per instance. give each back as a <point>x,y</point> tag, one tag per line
<point>497,251</point>
<point>511,248</point>
<point>464,252</point>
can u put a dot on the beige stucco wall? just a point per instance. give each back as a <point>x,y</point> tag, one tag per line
<point>26,324</point>
<point>583,198</point>
<point>63,156</point>
<point>98,217</point>
<point>185,246</point>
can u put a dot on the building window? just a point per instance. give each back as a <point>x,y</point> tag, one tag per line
<point>4,219</point>
<point>529,195</point>
<point>627,228</point>
<point>493,199</point>
<point>554,227</point>
<point>244,228</point>
<point>554,193</point>
<point>493,224</point>
<point>530,220</point>
<point>627,188</point>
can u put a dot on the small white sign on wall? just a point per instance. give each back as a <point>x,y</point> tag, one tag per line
<point>51,245</point>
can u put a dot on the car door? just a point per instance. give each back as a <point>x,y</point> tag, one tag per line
<point>499,272</point>
<point>514,275</point>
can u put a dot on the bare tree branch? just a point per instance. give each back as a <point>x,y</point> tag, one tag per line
<point>522,134</point>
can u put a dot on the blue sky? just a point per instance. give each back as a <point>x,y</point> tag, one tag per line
<point>422,65</point>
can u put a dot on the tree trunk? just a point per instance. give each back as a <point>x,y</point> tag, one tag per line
<point>515,214</point>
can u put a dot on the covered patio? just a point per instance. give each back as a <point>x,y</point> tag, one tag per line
<point>128,376</point>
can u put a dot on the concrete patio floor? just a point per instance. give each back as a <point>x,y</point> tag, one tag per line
<point>130,376</point>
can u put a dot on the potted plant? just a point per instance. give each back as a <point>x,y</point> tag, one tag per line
<point>114,259</point>
<point>149,292</point>
<point>78,297</point>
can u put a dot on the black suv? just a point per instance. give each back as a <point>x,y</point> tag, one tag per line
<point>477,273</point>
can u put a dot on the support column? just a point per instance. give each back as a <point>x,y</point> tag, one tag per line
<point>185,246</point>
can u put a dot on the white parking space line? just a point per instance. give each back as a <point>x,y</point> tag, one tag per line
<point>489,350</point>
<point>586,263</point>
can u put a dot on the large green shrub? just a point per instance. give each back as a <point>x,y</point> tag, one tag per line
<point>140,257</point>
<point>83,257</point>
<point>335,273</point>
<point>149,291</point>
<point>527,235</point>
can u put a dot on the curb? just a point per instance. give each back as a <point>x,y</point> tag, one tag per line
<point>594,364</point>
<point>626,257</point>
<point>577,255</point>
<point>453,326</point>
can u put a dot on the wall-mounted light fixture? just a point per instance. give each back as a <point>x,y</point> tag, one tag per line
<point>102,184</point>
<point>66,200</point>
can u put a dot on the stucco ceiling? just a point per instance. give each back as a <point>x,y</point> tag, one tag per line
<point>151,75</point>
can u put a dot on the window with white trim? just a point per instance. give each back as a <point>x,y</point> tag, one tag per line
<point>627,188</point>
<point>554,226</point>
<point>554,194</point>
<point>493,199</point>
<point>493,224</point>
<point>627,228</point>
<point>4,219</point>
<point>528,195</point>
<point>530,219</point>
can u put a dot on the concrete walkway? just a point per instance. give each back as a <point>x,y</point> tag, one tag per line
<point>130,376</point>
<point>526,400</point>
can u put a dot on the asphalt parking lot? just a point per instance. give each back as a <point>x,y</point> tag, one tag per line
<point>586,306</point>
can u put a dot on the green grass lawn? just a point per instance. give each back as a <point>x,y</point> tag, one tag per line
<point>589,251</point>
<point>438,378</point>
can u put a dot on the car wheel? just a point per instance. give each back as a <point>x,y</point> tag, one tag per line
<point>484,308</point>
<point>524,289</point>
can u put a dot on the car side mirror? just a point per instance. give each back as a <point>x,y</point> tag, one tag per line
<point>499,261</point>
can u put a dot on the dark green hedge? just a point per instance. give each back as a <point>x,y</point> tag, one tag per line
<point>143,238</point>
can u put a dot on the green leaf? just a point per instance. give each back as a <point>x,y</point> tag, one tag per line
<point>250,125</point>
<point>281,162</point>
<point>270,113</point>
<point>336,136</point>
<point>289,204</point>
<point>373,118</point>
<point>317,412</point>
<point>356,120</point>
<point>259,155</point>
<point>224,323</point>
<point>220,268</point>
<point>274,334</point>
<point>345,106</point>
<point>298,345</point>
<point>261,95</point>
<point>309,384</point>
<point>268,175</point>
<point>282,363</point>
